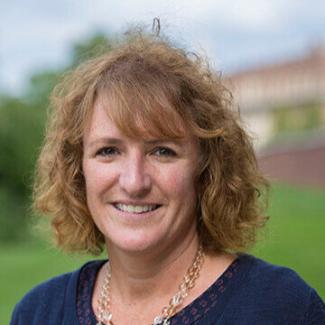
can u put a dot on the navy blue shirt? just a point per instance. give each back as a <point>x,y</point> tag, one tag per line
<point>250,291</point>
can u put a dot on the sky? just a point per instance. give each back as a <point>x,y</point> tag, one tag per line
<point>235,35</point>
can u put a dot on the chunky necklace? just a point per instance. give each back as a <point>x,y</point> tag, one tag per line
<point>104,315</point>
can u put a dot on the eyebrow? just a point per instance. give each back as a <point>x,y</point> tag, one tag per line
<point>117,141</point>
<point>158,141</point>
<point>114,141</point>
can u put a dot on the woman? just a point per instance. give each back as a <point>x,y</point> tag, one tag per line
<point>145,158</point>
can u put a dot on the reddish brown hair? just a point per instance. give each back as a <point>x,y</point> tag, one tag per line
<point>152,84</point>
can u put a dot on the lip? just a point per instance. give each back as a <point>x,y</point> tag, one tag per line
<point>131,217</point>
<point>135,203</point>
<point>137,208</point>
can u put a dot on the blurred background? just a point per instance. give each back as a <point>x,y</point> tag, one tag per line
<point>271,54</point>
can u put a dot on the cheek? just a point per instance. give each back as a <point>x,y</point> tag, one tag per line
<point>97,178</point>
<point>179,182</point>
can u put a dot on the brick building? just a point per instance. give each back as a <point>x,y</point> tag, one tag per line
<point>283,105</point>
<point>282,97</point>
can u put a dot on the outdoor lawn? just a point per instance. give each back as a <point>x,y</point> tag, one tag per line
<point>295,237</point>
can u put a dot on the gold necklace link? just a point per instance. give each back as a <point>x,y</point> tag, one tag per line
<point>187,284</point>
<point>104,315</point>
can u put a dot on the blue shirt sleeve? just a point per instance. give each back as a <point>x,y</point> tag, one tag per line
<point>315,314</point>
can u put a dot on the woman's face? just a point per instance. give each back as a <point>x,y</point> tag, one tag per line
<point>140,192</point>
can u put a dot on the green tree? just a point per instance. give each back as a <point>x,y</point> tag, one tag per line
<point>92,47</point>
<point>22,122</point>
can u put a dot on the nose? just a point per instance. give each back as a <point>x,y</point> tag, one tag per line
<point>134,178</point>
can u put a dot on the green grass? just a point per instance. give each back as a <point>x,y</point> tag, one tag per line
<point>294,237</point>
<point>24,266</point>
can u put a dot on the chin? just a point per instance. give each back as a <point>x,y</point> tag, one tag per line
<point>135,242</point>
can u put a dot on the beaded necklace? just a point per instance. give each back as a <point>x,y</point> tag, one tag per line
<point>104,315</point>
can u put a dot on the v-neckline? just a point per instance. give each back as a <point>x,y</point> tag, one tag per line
<point>198,308</point>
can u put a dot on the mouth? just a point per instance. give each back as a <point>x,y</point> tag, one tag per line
<point>131,208</point>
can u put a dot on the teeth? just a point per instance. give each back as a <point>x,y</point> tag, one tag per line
<point>135,208</point>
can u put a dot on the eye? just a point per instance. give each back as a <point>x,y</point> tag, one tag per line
<point>164,152</point>
<point>107,151</point>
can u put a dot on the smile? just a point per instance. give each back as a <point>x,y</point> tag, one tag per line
<point>136,208</point>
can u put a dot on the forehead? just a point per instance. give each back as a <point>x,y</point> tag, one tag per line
<point>102,129</point>
<point>100,123</point>
<point>135,118</point>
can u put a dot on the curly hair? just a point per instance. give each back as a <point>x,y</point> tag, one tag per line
<point>152,84</point>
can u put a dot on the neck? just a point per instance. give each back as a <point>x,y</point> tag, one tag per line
<point>150,281</point>
<point>138,278</point>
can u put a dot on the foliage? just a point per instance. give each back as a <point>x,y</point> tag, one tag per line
<point>293,119</point>
<point>92,47</point>
<point>21,131</point>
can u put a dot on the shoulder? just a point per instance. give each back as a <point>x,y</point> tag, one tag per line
<point>262,272</point>
<point>49,300</point>
<point>278,280</point>
<point>43,301</point>
<point>267,290</point>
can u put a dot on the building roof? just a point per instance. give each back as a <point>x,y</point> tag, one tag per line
<point>289,82</point>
